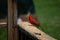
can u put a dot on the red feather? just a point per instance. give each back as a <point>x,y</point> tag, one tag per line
<point>33,21</point>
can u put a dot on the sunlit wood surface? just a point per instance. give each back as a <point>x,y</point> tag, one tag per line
<point>34,31</point>
<point>3,22</point>
<point>39,34</point>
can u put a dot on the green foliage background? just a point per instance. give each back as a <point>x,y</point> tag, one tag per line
<point>3,33</point>
<point>48,12</point>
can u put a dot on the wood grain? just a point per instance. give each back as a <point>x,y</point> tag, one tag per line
<point>34,31</point>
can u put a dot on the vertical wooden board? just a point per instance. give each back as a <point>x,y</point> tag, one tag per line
<point>15,20</point>
<point>10,20</point>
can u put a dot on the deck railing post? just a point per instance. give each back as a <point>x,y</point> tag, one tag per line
<point>15,20</point>
<point>12,20</point>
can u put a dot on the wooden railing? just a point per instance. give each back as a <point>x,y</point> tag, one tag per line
<point>24,30</point>
<point>23,34</point>
<point>27,31</point>
<point>11,23</point>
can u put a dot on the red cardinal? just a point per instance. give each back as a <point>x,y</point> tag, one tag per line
<point>33,21</point>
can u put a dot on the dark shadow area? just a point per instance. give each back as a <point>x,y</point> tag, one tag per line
<point>3,9</point>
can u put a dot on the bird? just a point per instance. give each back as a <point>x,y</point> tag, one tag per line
<point>33,21</point>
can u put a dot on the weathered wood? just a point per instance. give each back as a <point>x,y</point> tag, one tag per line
<point>15,20</point>
<point>34,31</point>
<point>10,21</point>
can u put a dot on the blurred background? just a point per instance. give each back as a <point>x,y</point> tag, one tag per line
<point>49,16</point>
<point>48,12</point>
<point>3,14</point>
